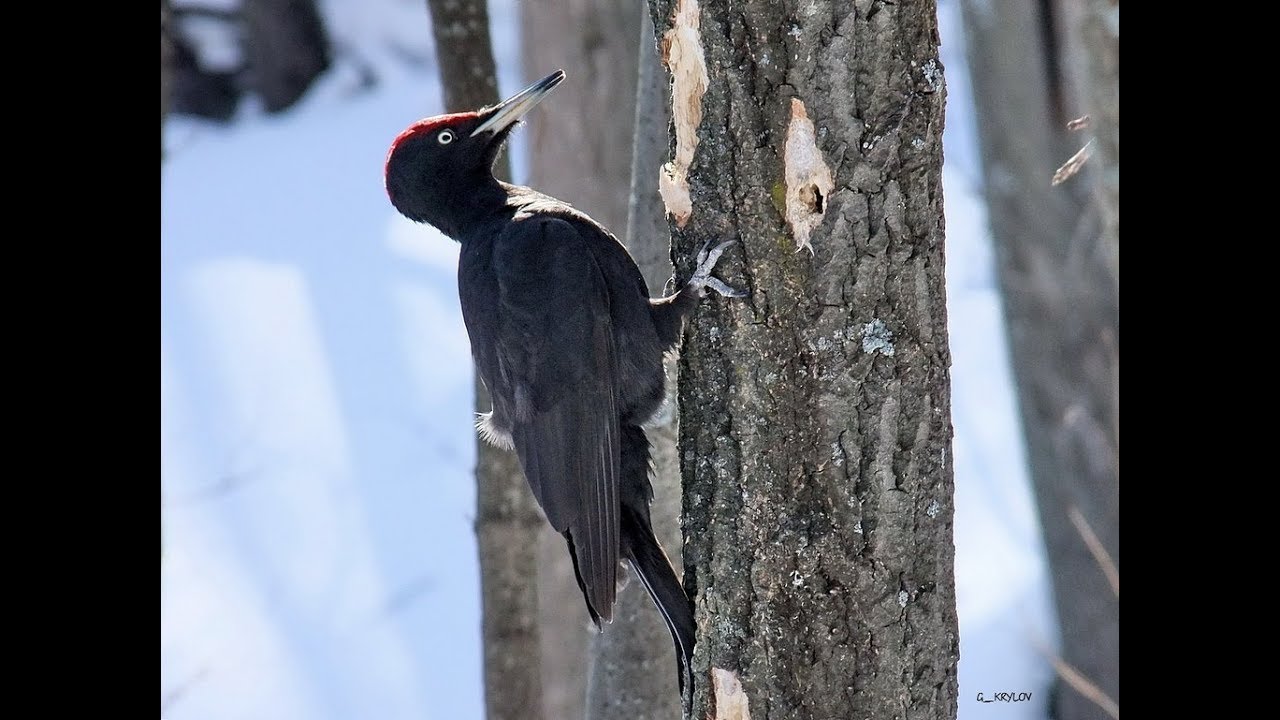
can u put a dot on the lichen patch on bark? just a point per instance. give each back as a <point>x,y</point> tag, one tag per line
<point>731,699</point>
<point>683,56</point>
<point>808,178</point>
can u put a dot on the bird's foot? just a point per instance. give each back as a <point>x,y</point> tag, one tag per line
<point>702,277</point>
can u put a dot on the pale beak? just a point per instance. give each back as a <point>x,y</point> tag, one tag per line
<point>508,113</point>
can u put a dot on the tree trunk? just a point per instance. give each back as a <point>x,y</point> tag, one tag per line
<point>166,83</point>
<point>633,664</point>
<point>166,67</point>
<point>1062,312</point>
<point>1100,41</point>
<point>507,517</point>
<point>815,427</point>
<point>580,152</point>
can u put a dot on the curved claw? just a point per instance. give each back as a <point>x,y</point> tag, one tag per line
<point>718,285</point>
<point>708,255</point>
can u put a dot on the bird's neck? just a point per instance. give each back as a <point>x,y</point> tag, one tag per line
<point>471,205</point>
<point>493,204</point>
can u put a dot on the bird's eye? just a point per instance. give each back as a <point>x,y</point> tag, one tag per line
<point>445,137</point>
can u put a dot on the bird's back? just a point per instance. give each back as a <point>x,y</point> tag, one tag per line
<point>639,352</point>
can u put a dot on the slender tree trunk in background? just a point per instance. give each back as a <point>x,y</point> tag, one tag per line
<point>507,517</point>
<point>166,67</point>
<point>166,82</point>
<point>580,152</point>
<point>1062,312</point>
<point>633,663</point>
<point>1100,41</point>
<point>464,53</point>
<point>580,138</point>
<point>815,424</point>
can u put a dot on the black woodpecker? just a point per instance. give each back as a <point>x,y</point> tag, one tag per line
<point>567,341</point>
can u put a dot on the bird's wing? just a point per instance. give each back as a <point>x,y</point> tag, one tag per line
<point>556,351</point>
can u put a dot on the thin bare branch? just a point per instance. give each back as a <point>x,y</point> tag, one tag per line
<point>1084,686</point>
<point>1095,546</point>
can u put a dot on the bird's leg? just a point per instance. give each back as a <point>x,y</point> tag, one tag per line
<point>702,277</point>
<point>669,312</point>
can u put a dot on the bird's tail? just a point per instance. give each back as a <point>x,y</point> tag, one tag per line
<point>650,563</point>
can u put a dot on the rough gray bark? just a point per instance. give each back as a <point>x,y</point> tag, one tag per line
<point>815,425</point>
<point>507,517</point>
<point>633,663</point>
<point>286,49</point>
<point>1100,39</point>
<point>580,151</point>
<point>1062,313</point>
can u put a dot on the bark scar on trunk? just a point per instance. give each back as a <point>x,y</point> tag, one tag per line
<point>809,179</point>
<point>731,699</point>
<point>682,54</point>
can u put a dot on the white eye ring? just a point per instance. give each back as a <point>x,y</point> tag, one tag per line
<point>445,137</point>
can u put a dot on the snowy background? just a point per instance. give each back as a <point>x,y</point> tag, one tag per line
<point>315,412</point>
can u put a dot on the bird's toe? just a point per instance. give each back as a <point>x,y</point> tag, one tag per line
<point>726,290</point>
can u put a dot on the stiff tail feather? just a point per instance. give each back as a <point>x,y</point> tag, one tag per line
<point>651,565</point>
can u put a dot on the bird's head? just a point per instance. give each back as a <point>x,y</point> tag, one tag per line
<point>440,170</point>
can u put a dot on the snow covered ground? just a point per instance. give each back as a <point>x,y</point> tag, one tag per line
<point>316,442</point>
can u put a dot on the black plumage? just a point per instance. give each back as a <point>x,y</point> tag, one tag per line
<point>566,339</point>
